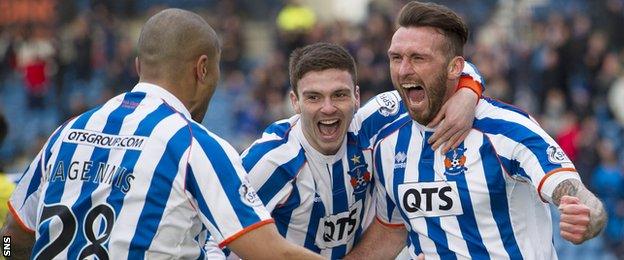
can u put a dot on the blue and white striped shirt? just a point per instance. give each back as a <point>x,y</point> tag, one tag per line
<point>483,200</point>
<point>135,178</point>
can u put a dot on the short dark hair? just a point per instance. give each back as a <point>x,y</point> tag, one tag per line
<point>318,57</point>
<point>417,14</point>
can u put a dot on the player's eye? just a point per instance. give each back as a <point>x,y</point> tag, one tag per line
<point>313,98</point>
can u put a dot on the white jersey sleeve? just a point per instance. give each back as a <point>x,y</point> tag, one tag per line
<point>216,182</point>
<point>526,151</point>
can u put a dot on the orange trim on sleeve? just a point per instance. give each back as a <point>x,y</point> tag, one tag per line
<point>390,225</point>
<point>18,219</point>
<point>245,230</point>
<point>539,187</point>
<point>466,81</point>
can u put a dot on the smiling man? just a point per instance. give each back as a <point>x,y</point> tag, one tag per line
<point>313,171</point>
<point>487,198</point>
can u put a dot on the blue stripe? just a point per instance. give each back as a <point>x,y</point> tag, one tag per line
<point>426,174</point>
<point>280,129</point>
<point>227,175</point>
<point>498,198</point>
<point>340,201</point>
<point>396,125</point>
<point>283,213</point>
<point>44,237</point>
<point>145,128</point>
<point>258,150</point>
<point>379,174</point>
<point>402,145</point>
<point>506,106</point>
<point>513,166</point>
<point>83,203</point>
<point>467,221</point>
<point>195,191</point>
<point>374,123</point>
<point>352,151</point>
<point>55,190</point>
<point>520,134</point>
<point>35,181</point>
<point>318,211</point>
<point>280,177</point>
<point>36,176</point>
<point>158,193</point>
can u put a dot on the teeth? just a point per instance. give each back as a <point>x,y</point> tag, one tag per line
<point>328,122</point>
<point>408,86</point>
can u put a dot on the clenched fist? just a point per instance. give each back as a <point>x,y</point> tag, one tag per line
<point>574,222</point>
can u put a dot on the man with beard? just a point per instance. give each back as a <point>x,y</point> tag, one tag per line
<point>313,171</point>
<point>139,177</point>
<point>484,199</point>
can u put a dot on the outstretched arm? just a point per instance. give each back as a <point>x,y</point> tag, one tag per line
<point>582,214</point>
<point>266,243</point>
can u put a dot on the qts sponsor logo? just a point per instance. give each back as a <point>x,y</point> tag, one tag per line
<point>430,199</point>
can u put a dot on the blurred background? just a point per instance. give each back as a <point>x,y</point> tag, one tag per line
<point>560,60</point>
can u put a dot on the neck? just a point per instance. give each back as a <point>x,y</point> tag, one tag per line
<point>180,93</point>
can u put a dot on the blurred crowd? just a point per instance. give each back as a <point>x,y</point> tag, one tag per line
<point>562,61</point>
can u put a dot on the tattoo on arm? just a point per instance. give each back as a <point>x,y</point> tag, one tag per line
<point>575,188</point>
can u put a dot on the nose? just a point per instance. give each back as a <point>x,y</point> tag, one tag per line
<point>328,106</point>
<point>405,68</point>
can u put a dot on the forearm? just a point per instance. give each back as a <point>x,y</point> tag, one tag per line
<point>597,214</point>
<point>265,242</point>
<point>379,242</point>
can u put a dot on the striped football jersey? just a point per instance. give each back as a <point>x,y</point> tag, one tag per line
<point>482,200</point>
<point>135,178</point>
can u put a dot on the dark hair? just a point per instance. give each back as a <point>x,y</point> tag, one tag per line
<point>419,14</point>
<point>318,57</point>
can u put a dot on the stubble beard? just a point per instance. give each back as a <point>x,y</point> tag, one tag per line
<point>435,96</point>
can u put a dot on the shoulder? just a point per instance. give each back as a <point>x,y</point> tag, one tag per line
<point>210,143</point>
<point>492,115</point>
<point>386,104</point>
<point>393,128</point>
<point>276,145</point>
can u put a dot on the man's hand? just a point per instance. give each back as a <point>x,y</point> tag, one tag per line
<point>455,120</point>
<point>582,214</point>
<point>574,222</point>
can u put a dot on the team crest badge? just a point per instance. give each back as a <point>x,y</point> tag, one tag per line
<point>454,161</point>
<point>360,177</point>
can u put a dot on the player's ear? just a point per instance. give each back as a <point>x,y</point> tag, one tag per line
<point>137,66</point>
<point>201,68</point>
<point>356,93</point>
<point>455,67</point>
<point>294,101</point>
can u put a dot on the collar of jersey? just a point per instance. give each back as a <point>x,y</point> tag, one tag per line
<point>159,92</point>
<point>313,154</point>
<point>423,128</point>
